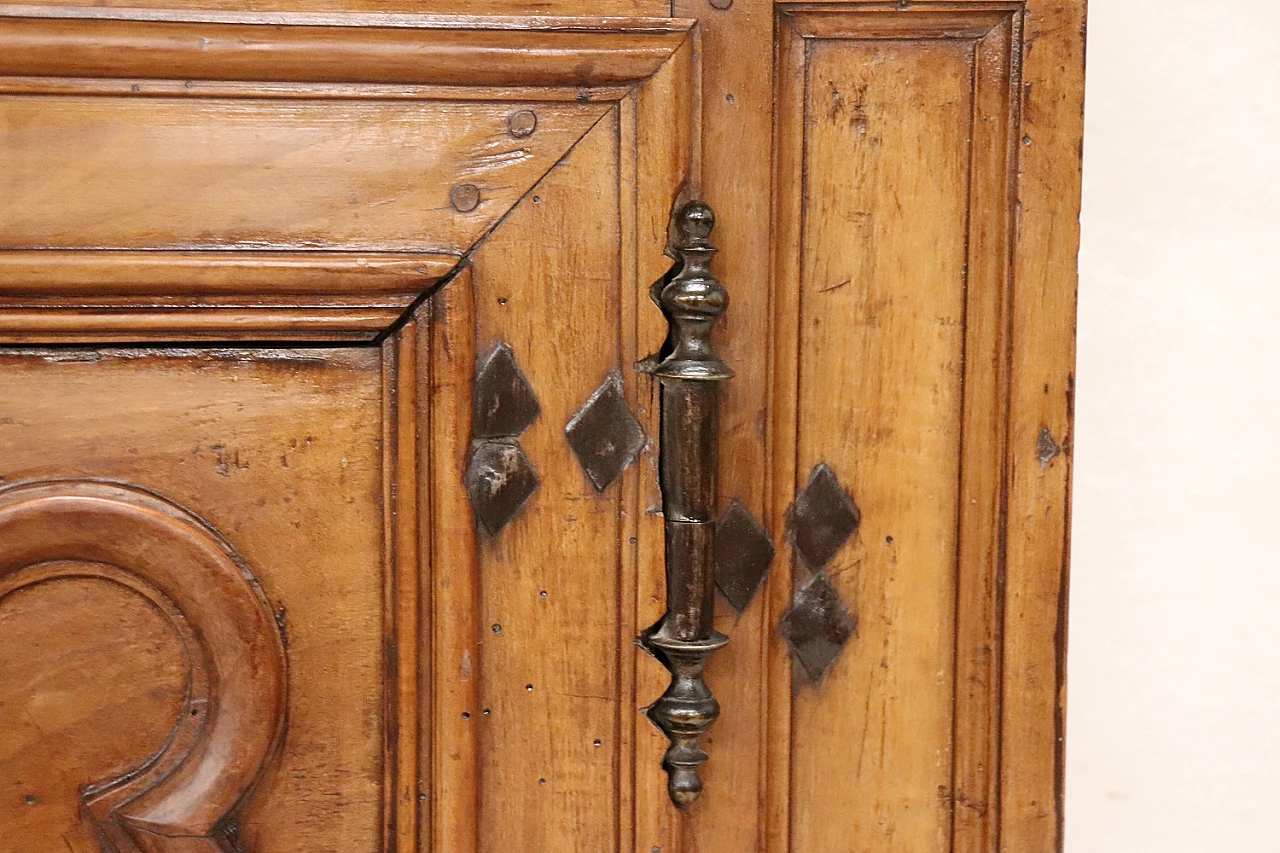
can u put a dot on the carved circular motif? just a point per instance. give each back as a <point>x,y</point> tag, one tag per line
<point>179,800</point>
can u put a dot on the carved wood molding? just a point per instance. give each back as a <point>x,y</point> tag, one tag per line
<point>335,48</point>
<point>233,719</point>
<point>334,167</point>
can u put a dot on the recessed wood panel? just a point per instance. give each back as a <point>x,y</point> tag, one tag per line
<point>895,130</point>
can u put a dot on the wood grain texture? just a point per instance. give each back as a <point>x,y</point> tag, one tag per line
<point>233,717</point>
<point>278,450</point>
<point>187,173</point>
<point>276,177</point>
<point>897,194</point>
<point>344,48</point>
<point>897,145</point>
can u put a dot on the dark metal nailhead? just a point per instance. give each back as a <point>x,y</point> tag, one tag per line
<point>744,553</point>
<point>817,625</point>
<point>464,197</point>
<point>503,403</point>
<point>822,518</point>
<point>721,4</point>
<point>604,435</point>
<point>522,124</point>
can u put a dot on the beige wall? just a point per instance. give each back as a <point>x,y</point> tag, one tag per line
<point>1174,673</point>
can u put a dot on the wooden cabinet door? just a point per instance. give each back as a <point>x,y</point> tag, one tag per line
<point>336,515</point>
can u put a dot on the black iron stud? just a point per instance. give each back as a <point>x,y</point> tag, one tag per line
<point>744,553</point>
<point>822,518</point>
<point>503,404</point>
<point>817,625</point>
<point>604,435</point>
<point>499,480</point>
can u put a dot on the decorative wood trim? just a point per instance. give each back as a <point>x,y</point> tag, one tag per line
<point>88,295</point>
<point>402,416</point>
<point>90,275</point>
<point>229,728</point>
<point>319,48</point>
<point>75,296</point>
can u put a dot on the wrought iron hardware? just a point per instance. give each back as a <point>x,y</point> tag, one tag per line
<point>689,372</point>
<point>820,522</point>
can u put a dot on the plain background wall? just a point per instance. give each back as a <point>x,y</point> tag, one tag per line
<point>1173,728</point>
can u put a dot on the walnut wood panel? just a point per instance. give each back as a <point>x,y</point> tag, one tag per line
<point>534,671</point>
<point>233,716</point>
<point>904,175</point>
<point>278,450</point>
<point>897,181</point>
<point>206,173</point>
<point>297,177</point>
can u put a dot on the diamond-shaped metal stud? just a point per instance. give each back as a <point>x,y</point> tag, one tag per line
<point>817,625</point>
<point>822,518</point>
<point>503,404</point>
<point>604,435</point>
<point>743,554</point>
<point>499,480</point>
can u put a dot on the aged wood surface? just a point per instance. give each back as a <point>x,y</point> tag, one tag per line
<point>273,450</point>
<point>388,191</point>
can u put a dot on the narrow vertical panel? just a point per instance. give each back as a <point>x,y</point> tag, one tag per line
<point>448,596</point>
<point>1042,378</point>
<point>547,283</point>
<point>986,401</point>
<point>881,313</point>
<point>894,154</point>
<point>400,489</point>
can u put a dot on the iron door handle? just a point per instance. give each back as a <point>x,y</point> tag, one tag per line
<point>689,372</point>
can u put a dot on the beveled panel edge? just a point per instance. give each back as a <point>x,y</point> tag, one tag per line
<point>67,42</point>
<point>219,272</point>
<point>82,296</point>
<point>875,21</point>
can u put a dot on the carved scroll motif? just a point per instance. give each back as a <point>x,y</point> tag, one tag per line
<point>233,721</point>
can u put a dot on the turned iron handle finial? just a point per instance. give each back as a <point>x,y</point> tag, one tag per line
<point>690,372</point>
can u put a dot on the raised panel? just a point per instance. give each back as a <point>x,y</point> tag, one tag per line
<point>896,144</point>
<point>278,451</point>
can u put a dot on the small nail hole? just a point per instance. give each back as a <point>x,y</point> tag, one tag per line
<point>542,781</point>
<point>497,629</point>
<point>542,594</point>
<point>1026,140</point>
<point>30,799</point>
<point>486,712</point>
<point>529,688</point>
<point>596,742</point>
<point>466,715</point>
